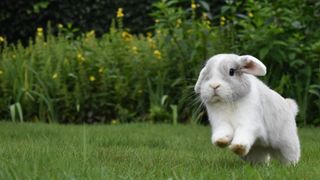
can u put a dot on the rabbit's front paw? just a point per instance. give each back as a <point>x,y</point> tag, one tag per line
<point>223,142</point>
<point>239,149</point>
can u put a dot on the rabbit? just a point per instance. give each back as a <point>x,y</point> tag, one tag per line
<point>254,121</point>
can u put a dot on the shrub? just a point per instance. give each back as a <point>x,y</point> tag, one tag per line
<point>125,77</point>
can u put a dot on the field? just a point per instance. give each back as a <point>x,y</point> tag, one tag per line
<point>135,151</point>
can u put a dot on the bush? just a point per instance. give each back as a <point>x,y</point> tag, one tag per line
<point>125,77</point>
<point>19,19</point>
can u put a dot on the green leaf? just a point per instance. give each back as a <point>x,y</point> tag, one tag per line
<point>263,52</point>
<point>174,109</point>
<point>19,108</point>
<point>205,5</point>
<point>13,112</point>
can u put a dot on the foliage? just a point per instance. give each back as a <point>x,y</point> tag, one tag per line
<point>19,19</point>
<point>135,151</point>
<point>82,80</point>
<point>125,77</point>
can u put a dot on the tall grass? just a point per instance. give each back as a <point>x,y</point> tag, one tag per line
<point>125,77</point>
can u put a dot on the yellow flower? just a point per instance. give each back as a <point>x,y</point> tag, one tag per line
<point>157,54</point>
<point>114,121</point>
<point>250,14</point>
<point>55,76</point>
<point>126,36</point>
<point>120,13</point>
<point>1,72</point>
<point>135,50</point>
<point>60,26</point>
<point>179,22</point>
<point>157,21</point>
<point>92,78</point>
<point>152,43</point>
<point>90,34</point>
<point>205,15</point>
<point>1,39</point>
<point>80,57</point>
<point>39,29</point>
<point>193,5</point>
<point>222,21</point>
<point>101,70</point>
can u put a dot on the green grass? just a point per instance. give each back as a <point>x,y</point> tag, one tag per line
<point>135,151</point>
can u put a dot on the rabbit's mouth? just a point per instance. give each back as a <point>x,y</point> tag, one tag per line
<point>215,98</point>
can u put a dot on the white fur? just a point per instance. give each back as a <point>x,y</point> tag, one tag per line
<point>245,114</point>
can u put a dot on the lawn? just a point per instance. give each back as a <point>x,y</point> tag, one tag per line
<point>135,151</point>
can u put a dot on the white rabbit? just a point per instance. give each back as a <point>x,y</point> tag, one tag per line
<point>245,114</point>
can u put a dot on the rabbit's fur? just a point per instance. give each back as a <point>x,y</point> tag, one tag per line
<point>254,121</point>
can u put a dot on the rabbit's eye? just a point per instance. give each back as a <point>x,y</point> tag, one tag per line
<point>231,72</point>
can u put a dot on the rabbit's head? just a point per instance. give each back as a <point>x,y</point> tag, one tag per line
<point>226,77</point>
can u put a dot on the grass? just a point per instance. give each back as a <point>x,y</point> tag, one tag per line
<point>135,151</point>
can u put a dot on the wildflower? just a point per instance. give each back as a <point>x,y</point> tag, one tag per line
<point>222,21</point>
<point>90,34</point>
<point>40,31</point>
<point>55,76</point>
<point>92,78</point>
<point>205,15</point>
<point>60,26</point>
<point>250,14</point>
<point>135,50</point>
<point>1,39</point>
<point>193,5</point>
<point>152,43</point>
<point>157,21</point>
<point>101,70</point>
<point>120,13</point>
<point>114,121</point>
<point>149,34</point>
<point>80,57</point>
<point>179,22</point>
<point>126,36</point>
<point>1,72</point>
<point>157,54</point>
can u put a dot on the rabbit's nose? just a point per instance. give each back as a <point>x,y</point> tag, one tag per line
<point>215,86</point>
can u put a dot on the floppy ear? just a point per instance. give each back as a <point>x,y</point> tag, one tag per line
<point>200,79</point>
<point>252,65</point>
